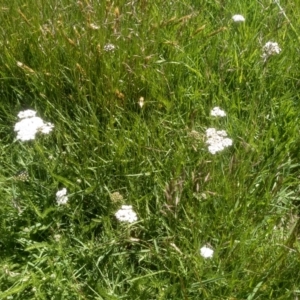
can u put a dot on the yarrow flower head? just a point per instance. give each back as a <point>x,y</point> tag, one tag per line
<point>26,114</point>
<point>57,237</point>
<point>238,18</point>
<point>61,197</point>
<point>46,128</point>
<point>109,47</point>
<point>206,252</point>
<point>269,49</point>
<point>217,140</point>
<point>116,197</point>
<point>217,112</point>
<point>29,125</point>
<point>22,176</point>
<point>126,214</point>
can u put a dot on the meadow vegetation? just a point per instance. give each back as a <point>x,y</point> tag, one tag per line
<point>129,87</point>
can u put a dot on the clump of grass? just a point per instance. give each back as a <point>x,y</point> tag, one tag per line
<point>129,87</point>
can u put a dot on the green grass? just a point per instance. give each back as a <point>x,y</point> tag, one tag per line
<point>183,58</point>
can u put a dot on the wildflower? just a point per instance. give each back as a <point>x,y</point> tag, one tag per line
<point>269,49</point>
<point>217,112</point>
<point>116,197</point>
<point>22,176</point>
<point>126,214</point>
<point>195,135</point>
<point>61,197</point>
<point>206,252</point>
<point>238,18</point>
<point>29,125</point>
<point>46,128</point>
<point>57,237</point>
<point>109,47</point>
<point>26,114</point>
<point>217,140</point>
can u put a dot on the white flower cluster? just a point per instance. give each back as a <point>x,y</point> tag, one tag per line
<point>269,49</point>
<point>217,140</point>
<point>26,114</point>
<point>61,197</point>
<point>238,18</point>
<point>206,252</point>
<point>217,112</point>
<point>126,214</point>
<point>29,125</point>
<point>109,47</point>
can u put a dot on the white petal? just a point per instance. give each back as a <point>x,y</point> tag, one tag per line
<point>206,252</point>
